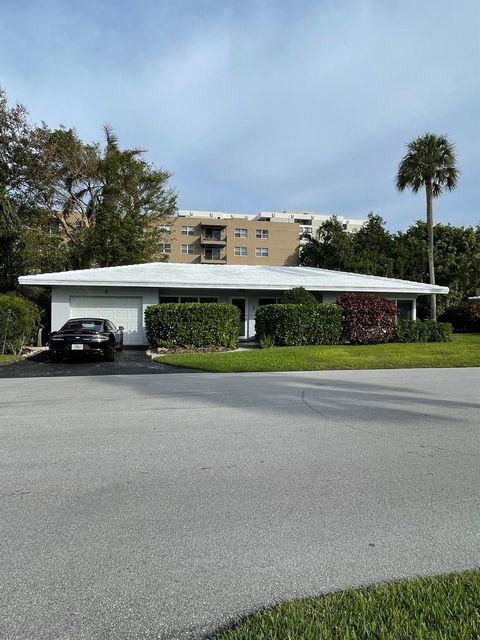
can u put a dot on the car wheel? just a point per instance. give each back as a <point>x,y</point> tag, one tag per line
<point>110,354</point>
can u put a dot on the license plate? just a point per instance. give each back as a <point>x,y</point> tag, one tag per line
<point>76,347</point>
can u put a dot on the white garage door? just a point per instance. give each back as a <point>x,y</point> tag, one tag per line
<point>123,312</point>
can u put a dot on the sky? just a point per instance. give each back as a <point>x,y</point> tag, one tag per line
<point>261,105</point>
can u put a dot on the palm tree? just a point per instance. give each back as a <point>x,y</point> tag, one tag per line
<point>430,163</point>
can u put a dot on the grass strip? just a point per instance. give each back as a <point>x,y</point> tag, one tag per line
<point>436,608</point>
<point>9,359</point>
<point>463,351</point>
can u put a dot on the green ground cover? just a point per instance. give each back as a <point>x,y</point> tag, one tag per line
<point>463,351</point>
<point>435,608</point>
<point>9,359</point>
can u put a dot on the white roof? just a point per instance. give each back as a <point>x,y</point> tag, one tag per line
<point>209,276</point>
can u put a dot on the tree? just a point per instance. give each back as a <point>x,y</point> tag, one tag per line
<point>124,221</point>
<point>430,163</point>
<point>373,249</point>
<point>331,249</point>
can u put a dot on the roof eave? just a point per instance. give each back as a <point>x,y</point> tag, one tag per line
<point>426,290</point>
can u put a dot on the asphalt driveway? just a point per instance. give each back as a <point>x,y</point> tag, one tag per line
<point>128,362</point>
<point>160,507</point>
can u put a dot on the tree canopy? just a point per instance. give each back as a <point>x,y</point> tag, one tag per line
<point>66,203</point>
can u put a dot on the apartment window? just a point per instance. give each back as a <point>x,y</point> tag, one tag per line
<point>208,300</point>
<point>305,229</point>
<point>240,251</point>
<point>185,299</point>
<point>188,249</point>
<point>261,233</point>
<point>166,248</point>
<point>303,221</point>
<point>188,231</point>
<point>241,233</point>
<point>168,299</point>
<point>345,226</point>
<point>261,252</point>
<point>165,228</point>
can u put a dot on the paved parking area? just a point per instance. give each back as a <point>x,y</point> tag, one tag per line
<point>128,362</point>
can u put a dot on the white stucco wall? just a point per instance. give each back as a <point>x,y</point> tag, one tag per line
<point>61,300</point>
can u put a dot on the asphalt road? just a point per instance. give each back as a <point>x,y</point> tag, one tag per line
<point>141,507</point>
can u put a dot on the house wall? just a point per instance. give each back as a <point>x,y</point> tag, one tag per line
<point>61,299</point>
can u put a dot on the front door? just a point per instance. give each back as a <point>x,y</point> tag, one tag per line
<point>241,303</point>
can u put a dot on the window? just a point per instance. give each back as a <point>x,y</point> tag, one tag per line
<point>188,248</point>
<point>205,300</point>
<point>241,233</point>
<point>261,233</point>
<point>166,228</point>
<point>188,231</point>
<point>345,226</point>
<point>240,251</point>
<point>305,229</point>
<point>261,252</point>
<point>165,248</point>
<point>404,309</point>
<point>264,301</point>
<point>303,221</point>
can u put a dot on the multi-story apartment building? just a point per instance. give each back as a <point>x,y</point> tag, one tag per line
<point>270,238</point>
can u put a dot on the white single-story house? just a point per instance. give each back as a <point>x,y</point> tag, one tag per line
<point>121,294</point>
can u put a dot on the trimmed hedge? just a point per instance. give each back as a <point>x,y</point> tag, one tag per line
<point>192,324</point>
<point>465,318</point>
<point>423,331</point>
<point>297,295</point>
<point>299,324</point>
<point>368,319</point>
<point>19,319</point>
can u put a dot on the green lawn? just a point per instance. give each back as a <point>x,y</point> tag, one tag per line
<point>439,608</point>
<point>8,359</point>
<point>463,351</point>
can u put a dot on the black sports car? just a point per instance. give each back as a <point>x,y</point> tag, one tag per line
<point>86,336</point>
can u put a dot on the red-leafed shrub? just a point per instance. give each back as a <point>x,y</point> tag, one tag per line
<point>367,319</point>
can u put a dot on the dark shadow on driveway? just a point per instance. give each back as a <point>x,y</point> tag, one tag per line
<point>128,362</point>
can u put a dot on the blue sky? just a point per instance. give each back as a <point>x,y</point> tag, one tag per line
<point>261,105</point>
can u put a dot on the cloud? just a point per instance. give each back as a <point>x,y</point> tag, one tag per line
<point>266,105</point>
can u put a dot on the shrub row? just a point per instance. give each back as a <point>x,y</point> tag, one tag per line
<point>19,320</point>
<point>367,319</point>
<point>464,317</point>
<point>423,331</point>
<point>192,324</point>
<point>299,324</point>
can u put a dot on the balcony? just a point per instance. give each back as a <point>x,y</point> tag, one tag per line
<point>213,256</point>
<point>210,239</point>
<point>213,224</point>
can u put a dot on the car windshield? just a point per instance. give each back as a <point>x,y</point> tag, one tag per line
<point>83,325</point>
